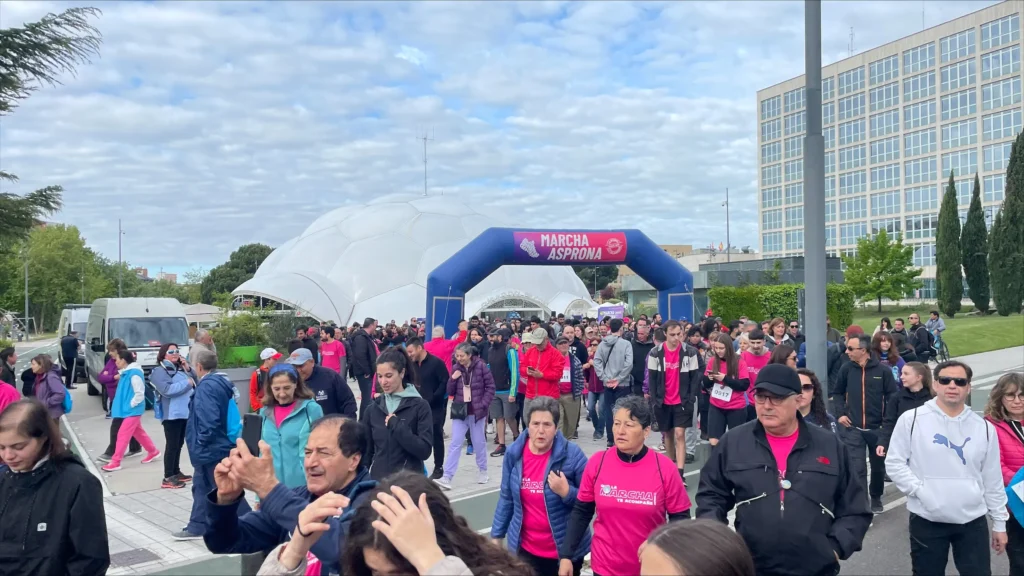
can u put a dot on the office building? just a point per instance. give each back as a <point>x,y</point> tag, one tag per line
<point>896,120</point>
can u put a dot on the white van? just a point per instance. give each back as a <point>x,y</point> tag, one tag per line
<point>74,318</point>
<point>144,324</point>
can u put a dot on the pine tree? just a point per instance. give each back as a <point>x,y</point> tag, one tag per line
<point>948,275</point>
<point>1006,245</point>
<point>974,251</point>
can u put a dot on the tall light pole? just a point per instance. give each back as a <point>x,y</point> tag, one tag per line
<point>728,239</point>
<point>120,265</point>
<point>814,198</point>
<point>26,295</point>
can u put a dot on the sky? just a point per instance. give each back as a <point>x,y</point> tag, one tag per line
<point>207,125</point>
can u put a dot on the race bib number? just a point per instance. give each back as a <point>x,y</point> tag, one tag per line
<point>723,393</point>
<point>566,376</point>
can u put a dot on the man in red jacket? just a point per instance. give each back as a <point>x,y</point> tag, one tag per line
<point>542,366</point>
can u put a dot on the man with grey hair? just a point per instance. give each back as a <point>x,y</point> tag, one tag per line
<point>203,343</point>
<point>613,363</point>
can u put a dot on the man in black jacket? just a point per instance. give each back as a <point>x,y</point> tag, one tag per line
<point>798,505</point>
<point>329,389</point>
<point>674,381</point>
<point>69,354</point>
<point>920,338</point>
<point>364,361</point>
<point>865,390</point>
<point>305,335</point>
<point>642,344</point>
<point>431,376</point>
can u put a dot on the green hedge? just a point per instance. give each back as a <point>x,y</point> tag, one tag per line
<point>765,302</point>
<point>6,343</point>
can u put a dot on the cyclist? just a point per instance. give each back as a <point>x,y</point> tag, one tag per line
<point>921,339</point>
<point>936,326</point>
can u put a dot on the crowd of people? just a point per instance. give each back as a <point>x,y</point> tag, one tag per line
<point>342,483</point>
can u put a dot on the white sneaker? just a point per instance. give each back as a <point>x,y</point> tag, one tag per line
<point>482,478</point>
<point>444,482</point>
<point>490,428</point>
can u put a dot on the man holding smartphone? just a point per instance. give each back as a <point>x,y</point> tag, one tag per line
<point>542,367</point>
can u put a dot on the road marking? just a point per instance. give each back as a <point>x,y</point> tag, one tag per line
<point>84,454</point>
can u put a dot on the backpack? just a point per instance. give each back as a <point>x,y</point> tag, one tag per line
<point>233,418</point>
<point>67,404</point>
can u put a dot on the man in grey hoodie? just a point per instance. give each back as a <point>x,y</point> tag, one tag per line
<point>613,362</point>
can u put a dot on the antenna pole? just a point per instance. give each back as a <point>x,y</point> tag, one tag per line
<point>728,237</point>
<point>120,264</point>
<point>425,138</point>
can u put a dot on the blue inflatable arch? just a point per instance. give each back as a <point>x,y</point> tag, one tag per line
<point>496,247</point>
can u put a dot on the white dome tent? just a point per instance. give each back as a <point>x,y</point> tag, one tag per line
<point>372,260</point>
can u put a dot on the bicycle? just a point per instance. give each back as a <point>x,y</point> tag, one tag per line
<point>940,348</point>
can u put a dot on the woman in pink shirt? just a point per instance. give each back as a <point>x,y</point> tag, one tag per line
<point>632,489</point>
<point>725,376</point>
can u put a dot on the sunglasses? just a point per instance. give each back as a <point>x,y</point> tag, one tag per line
<point>947,380</point>
<point>807,387</point>
<point>851,349</point>
<point>172,352</point>
<point>794,325</point>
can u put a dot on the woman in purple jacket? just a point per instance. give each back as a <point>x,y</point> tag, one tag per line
<point>471,385</point>
<point>108,377</point>
<point>49,387</point>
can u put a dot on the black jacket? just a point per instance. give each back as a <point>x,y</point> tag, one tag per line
<point>313,345</point>
<point>7,374</point>
<point>53,522</point>
<point>905,402</point>
<point>921,340</point>
<point>866,394</point>
<point>432,380</point>
<point>364,354</point>
<point>69,347</point>
<point>579,349</point>
<point>825,511</point>
<point>640,352</point>
<point>689,374</point>
<point>331,392</point>
<point>28,383</point>
<point>404,443</point>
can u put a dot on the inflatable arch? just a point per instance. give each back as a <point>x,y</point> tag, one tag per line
<point>495,247</point>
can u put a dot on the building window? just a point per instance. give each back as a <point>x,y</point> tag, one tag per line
<point>852,157</point>
<point>853,183</point>
<point>922,198</point>
<point>957,45</point>
<point>771,219</point>
<point>850,132</point>
<point>771,197</point>
<point>830,236</point>
<point>851,106</point>
<point>890,225</point>
<point>771,130</point>
<point>964,188</point>
<point>828,88</point>
<point>885,203</point>
<point>962,133</point>
<point>829,135</point>
<point>771,175</point>
<point>771,242</point>
<point>999,94</point>
<point>999,32</point>
<point>920,142</point>
<point>920,86</point>
<point>885,96</point>
<point>796,123</point>
<point>771,152</point>
<point>924,255</point>
<point>885,150</point>
<point>828,113</point>
<point>1000,63</point>
<point>830,187</point>
<point>794,216</point>
<point>830,211</point>
<point>883,70</point>
<point>794,147</point>
<point>794,193</point>
<point>996,156</point>
<point>917,115</point>
<point>993,188</point>
<point>919,170</point>
<point>830,162</point>
<point>851,81</point>
<point>922,226</point>
<point>883,177</point>
<point>794,170</point>
<point>1005,124</point>
<point>885,123</point>
<point>794,100</point>
<point>771,107</point>
<point>959,104</point>
<point>794,240</point>
<point>849,233</point>
<point>920,58</point>
<point>853,208</point>
<point>961,162</point>
<point>957,76</point>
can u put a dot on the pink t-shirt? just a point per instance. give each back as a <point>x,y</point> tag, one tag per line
<point>672,377</point>
<point>331,354</point>
<point>565,383</point>
<point>631,501</point>
<point>535,536</point>
<point>722,396</point>
<point>754,365</point>
<point>781,447</point>
<point>282,412</point>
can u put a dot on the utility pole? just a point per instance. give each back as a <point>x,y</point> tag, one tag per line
<point>814,198</point>
<point>120,265</point>
<point>26,295</point>
<point>728,238</point>
<point>425,139</point>
<point>83,282</point>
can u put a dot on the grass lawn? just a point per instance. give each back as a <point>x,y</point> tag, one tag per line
<point>964,334</point>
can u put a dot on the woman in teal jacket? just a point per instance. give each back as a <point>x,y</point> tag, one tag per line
<point>288,415</point>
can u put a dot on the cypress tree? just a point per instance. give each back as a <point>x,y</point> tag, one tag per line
<point>948,275</point>
<point>1000,252</point>
<point>1006,258</point>
<point>974,251</point>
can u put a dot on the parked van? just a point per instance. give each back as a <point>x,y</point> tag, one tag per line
<point>74,318</point>
<point>144,324</point>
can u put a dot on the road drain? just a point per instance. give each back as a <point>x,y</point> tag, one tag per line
<point>132,557</point>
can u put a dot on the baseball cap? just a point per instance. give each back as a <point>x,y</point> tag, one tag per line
<point>269,354</point>
<point>537,336</point>
<point>778,379</point>
<point>493,331</point>
<point>300,357</point>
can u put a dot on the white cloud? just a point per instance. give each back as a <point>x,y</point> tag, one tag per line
<point>206,125</point>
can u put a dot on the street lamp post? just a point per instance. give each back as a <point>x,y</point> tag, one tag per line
<point>27,338</point>
<point>728,238</point>
<point>120,265</point>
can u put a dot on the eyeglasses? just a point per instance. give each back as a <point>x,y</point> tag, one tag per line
<point>807,387</point>
<point>947,380</point>
<point>794,325</point>
<point>172,352</point>
<point>772,399</point>
<point>1018,397</point>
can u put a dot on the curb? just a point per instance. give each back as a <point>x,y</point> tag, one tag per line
<point>84,454</point>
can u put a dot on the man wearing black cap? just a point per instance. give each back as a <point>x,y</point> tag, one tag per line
<point>503,363</point>
<point>799,507</point>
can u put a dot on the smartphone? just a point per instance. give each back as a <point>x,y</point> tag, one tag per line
<point>252,432</point>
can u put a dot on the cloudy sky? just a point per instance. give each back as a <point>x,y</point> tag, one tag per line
<point>207,125</point>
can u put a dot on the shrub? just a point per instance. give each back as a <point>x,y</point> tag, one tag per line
<point>239,330</point>
<point>6,344</point>
<point>762,302</point>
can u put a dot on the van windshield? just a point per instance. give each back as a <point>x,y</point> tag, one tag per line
<point>149,332</point>
<point>80,328</point>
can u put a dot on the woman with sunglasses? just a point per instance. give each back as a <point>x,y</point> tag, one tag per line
<point>812,402</point>
<point>288,414</point>
<point>783,354</point>
<point>1005,410</point>
<point>174,381</point>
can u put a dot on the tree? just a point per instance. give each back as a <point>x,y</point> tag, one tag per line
<point>882,268</point>
<point>974,251</point>
<point>1006,243</point>
<point>949,277</point>
<point>33,55</point>
<point>240,267</point>
<point>595,278</point>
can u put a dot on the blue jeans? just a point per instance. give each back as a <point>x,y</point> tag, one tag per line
<point>202,485</point>
<point>611,396</point>
<point>595,408</point>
